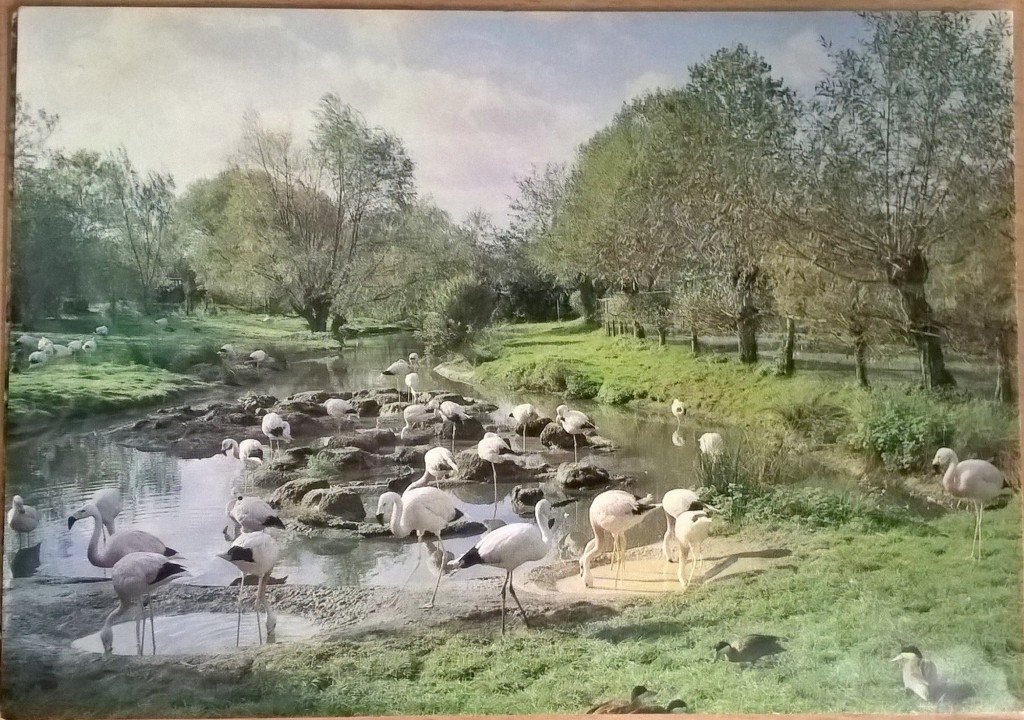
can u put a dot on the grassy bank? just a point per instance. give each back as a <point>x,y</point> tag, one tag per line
<point>846,599</point>
<point>896,426</point>
<point>141,363</point>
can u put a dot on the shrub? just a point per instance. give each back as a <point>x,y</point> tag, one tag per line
<point>816,419</point>
<point>459,308</point>
<point>900,429</point>
<point>612,394</point>
<point>580,386</point>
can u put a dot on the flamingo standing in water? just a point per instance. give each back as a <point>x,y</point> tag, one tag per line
<point>277,428</point>
<point>136,576</point>
<point>254,553</point>
<point>250,514</point>
<point>338,408</point>
<point>493,449</point>
<point>416,414</point>
<point>612,513</point>
<point>108,502</point>
<point>22,519</point>
<point>978,481</point>
<point>437,462</point>
<point>523,414</point>
<point>453,413</point>
<point>575,423</point>
<point>247,451</point>
<point>678,410</point>
<point>398,369</point>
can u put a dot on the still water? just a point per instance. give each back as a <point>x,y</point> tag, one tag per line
<point>182,501</point>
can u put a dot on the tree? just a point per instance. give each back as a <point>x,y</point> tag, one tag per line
<point>142,228</point>
<point>323,214</point>
<point>910,130</point>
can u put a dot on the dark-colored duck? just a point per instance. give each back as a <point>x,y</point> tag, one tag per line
<point>620,707</point>
<point>750,648</point>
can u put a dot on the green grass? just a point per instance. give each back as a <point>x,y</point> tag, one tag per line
<point>847,600</point>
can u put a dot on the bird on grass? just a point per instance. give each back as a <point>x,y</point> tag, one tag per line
<point>978,481</point>
<point>437,462</point>
<point>619,706</point>
<point>423,510</point>
<point>510,546</point>
<point>674,706</point>
<point>692,528</point>
<point>226,351</point>
<point>136,576</point>
<point>493,449</point>
<point>254,553</point>
<point>89,345</point>
<point>249,514</point>
<point>259,357</point>
<point>919,675</point>
<point>523,414</point>
<point>711,445</point>
<point>750,648</point>
<point>37,359</point>
<point>22,519</point>
<point>612,513</point>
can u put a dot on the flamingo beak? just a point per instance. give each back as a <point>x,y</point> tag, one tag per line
<point>380,518</point>
<point>71,521</point>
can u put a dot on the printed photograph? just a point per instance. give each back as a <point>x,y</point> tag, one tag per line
<point>504,363</point>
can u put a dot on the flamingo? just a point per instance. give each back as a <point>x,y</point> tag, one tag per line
<point>27,342</point>
<point>523,414</point>
<point>37,358</point>
<point>678,409</point>
<point>44,344</point>
<point>414,361</point>
<point>978,481</point>
<point>22,518</point>
<point>247,451</point>
<point>108,502</point>
<point>411,381</point>
<point>423,510</point>
<point>161,322</point>
<point>493,449</point>
<point>226,351</point>
<point>399,369</point>
<point>338,408</point>
<point>453,413</point>
<point>89,345</point>
<point>711,445</point>
<point>277,428</point>
<point>102,330</point>
<point>118,544</point>
<point>259,357</point>
<point>75,347</point>
<point>612,513</point>
<point>692,528</point>
<point>511,546</point>
<point>250,514</point>
<point>136,576</point>
<point>61,351</point>
<point>416,414</point>
<point>573,422</point>
<point>254,553</point>
<point>437,463</point>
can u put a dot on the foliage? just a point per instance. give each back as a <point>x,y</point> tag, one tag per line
<point>460,307</point>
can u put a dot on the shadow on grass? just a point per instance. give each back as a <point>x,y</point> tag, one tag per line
<point>643,631</point>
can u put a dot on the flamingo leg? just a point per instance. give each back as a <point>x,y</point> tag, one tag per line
<point>238,627</point>
<point>693,566</point>
<point>453,438</point>
<point>575,450</point>
<point>152,624</point>
<point>679,572</point>
<point>504,588</point>
<point>494,470</point>
<point>512,590</point>
<point>262,599</point>
<point>259,628</point>
<point>524,437</point>
<point>140,628</point>
<point>668,543</point>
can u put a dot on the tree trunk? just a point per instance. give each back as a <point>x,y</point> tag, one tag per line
<point>860,359</point>
<point>1004,373</point>
<point>694,343</point>
<point>638,330</point>
<point>786,363</point>
<point>663,336</point>
<point>315,313</point>
<point>588,300</point>
<point>746,335</point>
<point>908,274</point>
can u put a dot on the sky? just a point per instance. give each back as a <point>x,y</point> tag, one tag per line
<point>478,98</point>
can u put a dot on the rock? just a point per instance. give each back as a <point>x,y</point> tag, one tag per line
<point>410,455</point>
<point>473,469</point>
<point>463,527</point>
<point>302,407</point>
<point>371,440</point>
<point>317,397</point>
<point>253,402</point>
<point>383,398</point>
<point>554,436</point>
<point>335,502</point>
<point>294,490</point>
<point>441,397</point>
<point>480,407</point>
<point>304,427</point>
<point>527,495</point>
<point>469,429</point>
<point>291,459</point>
<point>417,437</point>
<point>573,476</point>
<point>392,409</point>
<point>368,408</point>
<point>269,477</point>
<point>535,427</point>
<point>240,375</point>
<point>349,458</point>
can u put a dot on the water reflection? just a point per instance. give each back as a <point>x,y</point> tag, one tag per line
<point>182,501</point>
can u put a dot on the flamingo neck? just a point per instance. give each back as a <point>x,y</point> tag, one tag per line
<point>951,479</point>
<point>233,449</point>
<point>93,552</point>
<point>398,529</point>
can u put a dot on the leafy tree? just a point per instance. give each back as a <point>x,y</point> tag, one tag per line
<point>911,128</point>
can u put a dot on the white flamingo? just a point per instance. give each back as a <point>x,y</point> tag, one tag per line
<point>423,510</point>
<point>136,576</point>
<point>711,445</point>
<point>75,346</point>
<point>493,449</point>
<point>510,546</point>
<point>453,413</point>
<point>248,452</point>
<point>102,330</point>
<point>226,351</point>
<point>674,503</point>
<point>254,554</point>
<point>250,514</point>
<point>161,322</point>
<point>37,358</point>
<point>416,414</point>
<point>108,502</point>
<point>523,414</point>
<point>678,410</point>
<point>978,481</point>
<point>412,380</point>
<point>89,345</point>
<point>575,423</point>
<point>22,519</point>
<point>612,513</point>
<point>398,369</point>
<point>339,408</point>
<point>437,462</point>
<point>259,357</point>
<point>118,544</point>
<point>692,528</point>
<point>276,428</point>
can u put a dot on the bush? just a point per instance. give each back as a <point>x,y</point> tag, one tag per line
<point>579,386</point>
<point>460,308</point>
<point>816,419</point>
<point>612,394</point>
<point>900,429</point>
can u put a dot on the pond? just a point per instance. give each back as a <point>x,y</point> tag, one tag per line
<point>182,501</point>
